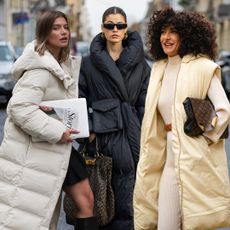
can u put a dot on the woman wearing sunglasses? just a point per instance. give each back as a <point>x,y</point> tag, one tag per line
<point>114,79</point>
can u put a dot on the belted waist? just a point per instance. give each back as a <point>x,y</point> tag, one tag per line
<point>168,127</point>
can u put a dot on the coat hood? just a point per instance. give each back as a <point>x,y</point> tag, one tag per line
<point>30,60</point>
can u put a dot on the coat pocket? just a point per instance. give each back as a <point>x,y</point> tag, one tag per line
<point>107,116</point>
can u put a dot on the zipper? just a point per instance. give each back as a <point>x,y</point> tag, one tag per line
<point>178,158</point>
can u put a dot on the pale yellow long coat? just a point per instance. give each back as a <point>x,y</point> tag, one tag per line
<point>201,169</point>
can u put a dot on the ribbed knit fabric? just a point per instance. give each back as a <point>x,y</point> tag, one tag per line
<point>169,214</point>
<point>169,217</point>
<point>168,87</point>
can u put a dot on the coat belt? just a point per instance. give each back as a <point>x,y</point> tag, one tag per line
<point>168,127</point>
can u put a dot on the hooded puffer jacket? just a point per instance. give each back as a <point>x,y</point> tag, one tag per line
<point>33,163</point>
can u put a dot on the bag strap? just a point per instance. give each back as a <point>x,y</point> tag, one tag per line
<point>83,148</point>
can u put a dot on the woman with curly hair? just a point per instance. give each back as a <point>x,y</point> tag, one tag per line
<point>182,182</point>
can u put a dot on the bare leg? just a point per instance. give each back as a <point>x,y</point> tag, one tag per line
<point>82,195</point>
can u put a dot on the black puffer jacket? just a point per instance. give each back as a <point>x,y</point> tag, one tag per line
<point>116,92</point>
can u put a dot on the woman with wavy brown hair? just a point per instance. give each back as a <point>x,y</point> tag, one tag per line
<point>35,151</point>
<point>182,182</point>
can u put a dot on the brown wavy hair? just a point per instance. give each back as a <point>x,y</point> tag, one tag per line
<point>43,29</point>
<point>197,34</point>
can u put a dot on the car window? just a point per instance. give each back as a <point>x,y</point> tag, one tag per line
<point>6,54</point>
<point>82,48</point>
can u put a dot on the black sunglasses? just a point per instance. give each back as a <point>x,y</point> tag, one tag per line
<point>110,26</point>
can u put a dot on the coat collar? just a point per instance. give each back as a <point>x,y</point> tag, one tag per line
<point>131,55</point>
<point>189,57</point>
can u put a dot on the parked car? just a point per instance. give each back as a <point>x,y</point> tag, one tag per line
<point>82,48</point>
<point>7,58</point>
<point>225,72</point>
<point>18,51</point>
<point>223,61</point>
<point>224,58</point>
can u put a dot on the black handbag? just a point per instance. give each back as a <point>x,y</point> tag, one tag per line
<point>100,173</point>
<point>201,117</point>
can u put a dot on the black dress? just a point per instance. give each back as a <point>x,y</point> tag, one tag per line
<point>76,170</point>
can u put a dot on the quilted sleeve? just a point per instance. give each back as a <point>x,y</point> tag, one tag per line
<point>23,107</point>
<point>220,101</point>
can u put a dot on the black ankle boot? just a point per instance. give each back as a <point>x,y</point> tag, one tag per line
<point>89,223</point>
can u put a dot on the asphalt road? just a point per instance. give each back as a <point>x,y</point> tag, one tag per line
<point>61,223</point>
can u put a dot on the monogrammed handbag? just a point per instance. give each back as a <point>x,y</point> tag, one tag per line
<point>201,117</point>
<point>100,174</point>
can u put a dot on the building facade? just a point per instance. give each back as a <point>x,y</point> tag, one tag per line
<point>14,15</point>
<point>78,18</point>
<point>18,18</point>
<point>218,11</point>
<point>2,21</point>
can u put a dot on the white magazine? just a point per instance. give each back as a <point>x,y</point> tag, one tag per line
<point>72,112</point>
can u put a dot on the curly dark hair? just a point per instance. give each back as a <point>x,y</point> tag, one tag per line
<point>197,34</point>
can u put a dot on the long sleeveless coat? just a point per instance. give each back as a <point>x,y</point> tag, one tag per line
<point>201,169</point>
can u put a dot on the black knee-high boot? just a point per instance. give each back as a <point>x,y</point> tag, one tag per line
<point>89,223</point>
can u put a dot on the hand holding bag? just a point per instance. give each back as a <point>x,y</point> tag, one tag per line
<point>201,117</point>
<point>100,174</point>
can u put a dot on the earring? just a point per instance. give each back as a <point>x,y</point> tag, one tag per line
<point>125,36</point>
<point>102,35</point>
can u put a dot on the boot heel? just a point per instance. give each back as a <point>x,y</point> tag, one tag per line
<point>89,223</point>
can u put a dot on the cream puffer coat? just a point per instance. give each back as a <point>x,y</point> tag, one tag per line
<point>32,172</point>
<point>201,169</point>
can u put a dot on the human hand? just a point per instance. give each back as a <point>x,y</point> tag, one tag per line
<point>45,108</point>
<point>66,136</point>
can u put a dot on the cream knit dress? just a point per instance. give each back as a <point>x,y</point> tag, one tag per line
<point>169,215</point>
